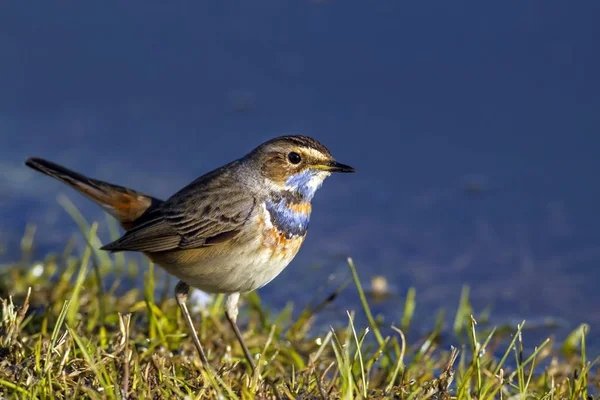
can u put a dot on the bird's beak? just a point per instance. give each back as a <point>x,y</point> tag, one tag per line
<point>335,166</point>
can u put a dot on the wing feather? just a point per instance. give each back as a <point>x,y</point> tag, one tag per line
<point>205,213</point>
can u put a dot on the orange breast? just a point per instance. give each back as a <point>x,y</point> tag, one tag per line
<point>281,247</point>
<point>276,242</point>
<point>303,208</point>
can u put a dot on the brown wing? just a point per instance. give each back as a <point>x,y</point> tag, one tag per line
<point>205,213</point>
<point>213,217</point>
<point>151,236</point>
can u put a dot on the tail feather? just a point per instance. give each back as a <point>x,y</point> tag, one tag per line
<point>126,205</point>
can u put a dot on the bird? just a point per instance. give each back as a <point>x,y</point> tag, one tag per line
<point>231,231</point>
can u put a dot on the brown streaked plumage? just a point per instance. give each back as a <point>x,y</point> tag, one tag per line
<point>231,230</point>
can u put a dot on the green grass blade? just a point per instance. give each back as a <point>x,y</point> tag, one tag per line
<point>409,309</point>
<point>365,303</point>
<point>55,333</point>
<point>75,301</point>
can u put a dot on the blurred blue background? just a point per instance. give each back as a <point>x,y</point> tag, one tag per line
<point>473,128</point>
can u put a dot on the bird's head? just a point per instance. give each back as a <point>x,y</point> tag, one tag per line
<point>296,163</point>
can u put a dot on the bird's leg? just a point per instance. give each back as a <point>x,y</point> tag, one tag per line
<point>231,312</point>
<point>181,292</point>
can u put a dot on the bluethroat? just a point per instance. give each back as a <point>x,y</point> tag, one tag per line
<point>230,231</point>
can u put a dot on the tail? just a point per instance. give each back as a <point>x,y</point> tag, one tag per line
<point>126,205</point>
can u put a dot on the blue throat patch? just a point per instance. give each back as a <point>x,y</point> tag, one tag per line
<point>301,183</point>
<point>299,190</point>
<point>291,223</point>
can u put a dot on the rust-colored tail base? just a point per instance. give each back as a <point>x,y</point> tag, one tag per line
<point>126,205</point>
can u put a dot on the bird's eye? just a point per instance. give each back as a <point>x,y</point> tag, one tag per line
<point>294,157</point>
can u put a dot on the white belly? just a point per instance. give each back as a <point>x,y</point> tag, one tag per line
<point>246,263</point>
